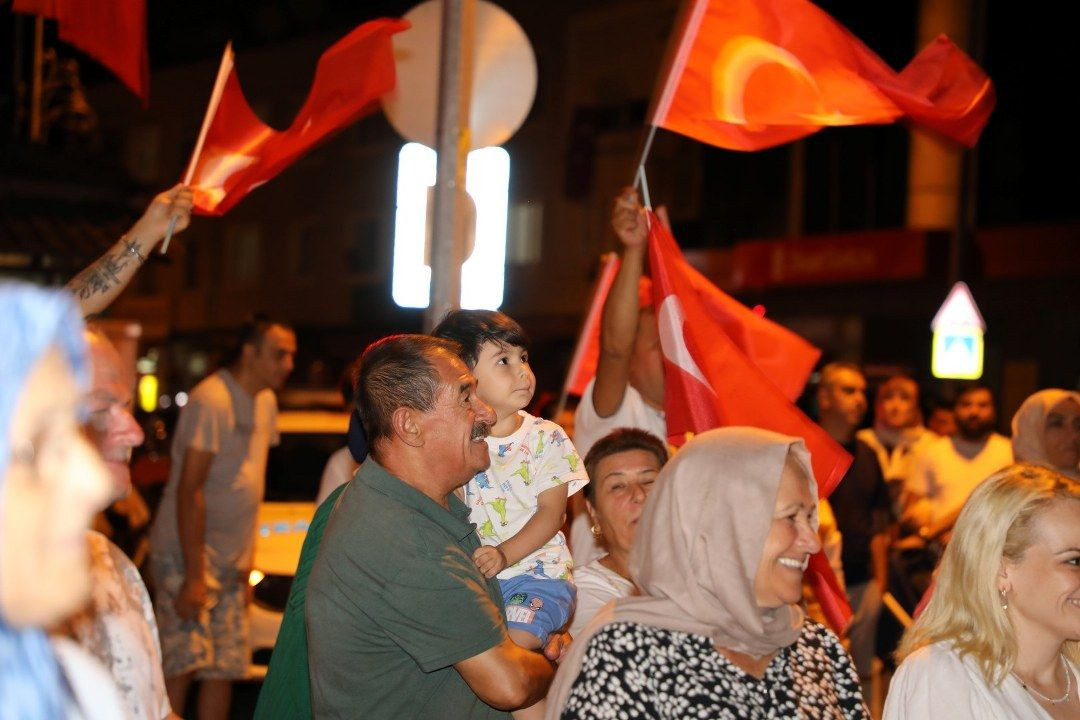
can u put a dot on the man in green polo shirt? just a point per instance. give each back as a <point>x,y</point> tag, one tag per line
<point>400,622</point>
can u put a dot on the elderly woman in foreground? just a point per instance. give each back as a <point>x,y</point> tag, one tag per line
<point>1000,637</point>
<point>719,556</point>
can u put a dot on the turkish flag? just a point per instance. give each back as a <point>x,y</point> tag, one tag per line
<point>236,151</point>
<point>711,382</point>
<point>784,357</point>
<point>113,33</point>
<point>752,74</point>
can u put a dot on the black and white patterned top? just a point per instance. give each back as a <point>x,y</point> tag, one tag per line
<point>636,671</point>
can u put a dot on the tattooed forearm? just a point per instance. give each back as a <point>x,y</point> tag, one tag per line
<point>98,285</point>
<point>101,276</point>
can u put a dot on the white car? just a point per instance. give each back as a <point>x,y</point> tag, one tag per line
<point>294,468</point>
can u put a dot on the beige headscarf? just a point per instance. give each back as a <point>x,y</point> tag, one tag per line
<point>697,549</point>
<point>1029,426</point>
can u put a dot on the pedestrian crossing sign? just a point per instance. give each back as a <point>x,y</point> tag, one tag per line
<point>957,351</point>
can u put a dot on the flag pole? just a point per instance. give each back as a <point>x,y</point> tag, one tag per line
<point>211,110</point>
<point>645,199</point>
<point>648,146</point>
<point>639,174</point>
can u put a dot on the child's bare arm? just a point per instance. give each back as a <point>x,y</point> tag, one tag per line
<point>542,526</point>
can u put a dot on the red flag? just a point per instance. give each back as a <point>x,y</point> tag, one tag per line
<point>751,74</point>
<point>587,352</point>
<point>237,151</point>
<point>829,594</point>
<point>113,33</point>
<point>710,382</point>
<point>784,357</point>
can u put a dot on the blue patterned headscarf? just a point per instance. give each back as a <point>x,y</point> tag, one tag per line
<point>32,320</point>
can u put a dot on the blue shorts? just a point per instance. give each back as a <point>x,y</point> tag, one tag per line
<point>537,606</point>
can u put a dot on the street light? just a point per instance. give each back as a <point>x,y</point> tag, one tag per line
<point>487,183</point>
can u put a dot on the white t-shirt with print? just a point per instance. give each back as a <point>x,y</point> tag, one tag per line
<point>118,628</point>
<point>538,456</point>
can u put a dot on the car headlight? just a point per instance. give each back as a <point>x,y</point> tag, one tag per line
<point>271,591</point>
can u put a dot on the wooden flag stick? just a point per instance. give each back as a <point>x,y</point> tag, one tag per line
<point>211,110</point>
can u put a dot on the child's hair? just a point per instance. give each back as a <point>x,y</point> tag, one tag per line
<point>472,328</point>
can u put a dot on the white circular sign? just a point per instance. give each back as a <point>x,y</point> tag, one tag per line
<point>504,76</point>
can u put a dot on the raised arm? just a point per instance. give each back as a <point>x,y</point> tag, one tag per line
<point>507,676</point>
<point>99,284</point>
<point>619,321</point>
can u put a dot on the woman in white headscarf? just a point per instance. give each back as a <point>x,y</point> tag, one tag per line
<point>1046,431</point>
<point>719,556</point>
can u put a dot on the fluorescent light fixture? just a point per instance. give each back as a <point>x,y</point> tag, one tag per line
<point>487,181</point>
<point>412,277</point>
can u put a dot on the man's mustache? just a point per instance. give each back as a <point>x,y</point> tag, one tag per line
<point>480,431</point>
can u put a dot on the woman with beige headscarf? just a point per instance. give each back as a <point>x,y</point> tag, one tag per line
<point>1046,431</point>
<point>719,556</point>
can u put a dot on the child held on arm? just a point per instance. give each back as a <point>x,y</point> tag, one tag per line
<point>519,503</point>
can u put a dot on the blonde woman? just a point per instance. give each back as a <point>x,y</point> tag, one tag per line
<point>1000,637</point>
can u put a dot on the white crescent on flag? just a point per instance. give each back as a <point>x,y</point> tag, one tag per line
<point>217,171</point>
<point>672,342</point>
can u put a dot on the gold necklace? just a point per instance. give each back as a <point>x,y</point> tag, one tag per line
<point>1068,686</point>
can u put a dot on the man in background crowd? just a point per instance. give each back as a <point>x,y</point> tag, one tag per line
<point>203,538</point>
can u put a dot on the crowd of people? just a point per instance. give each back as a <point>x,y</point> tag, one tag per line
<point>436,580</point>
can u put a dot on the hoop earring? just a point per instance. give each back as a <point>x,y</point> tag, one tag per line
<point>597,533</point>
<point>1004,600</point>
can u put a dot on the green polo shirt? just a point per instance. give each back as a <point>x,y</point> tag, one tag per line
<point>393,601</point>
<point>286,693</point>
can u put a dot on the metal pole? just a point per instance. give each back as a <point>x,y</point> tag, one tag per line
<point>35,87</point>
<point>964,237</point>
<point>455,80</point>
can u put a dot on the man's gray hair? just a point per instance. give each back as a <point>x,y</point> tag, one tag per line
<point>397,371</point>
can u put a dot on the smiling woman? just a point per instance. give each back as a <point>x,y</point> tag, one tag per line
<point>718,555</point>
<point>1000,637</point>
